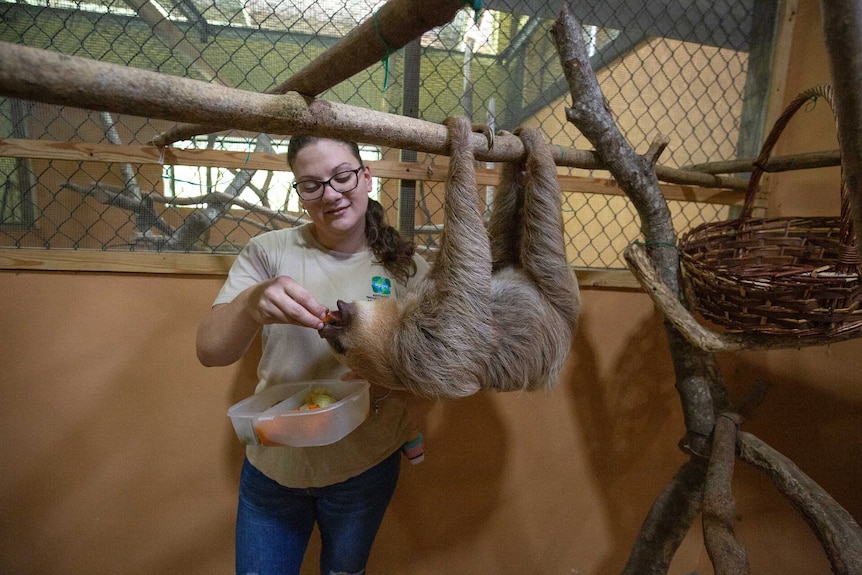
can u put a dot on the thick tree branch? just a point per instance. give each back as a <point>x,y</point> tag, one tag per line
<point>697,376</point>
<point>839,534</point>
<point>727,555</point>
<point>635,175</point>
<point>43,76</point>
<point>668,521</point>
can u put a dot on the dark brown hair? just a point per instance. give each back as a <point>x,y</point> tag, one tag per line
<point>390,249</point>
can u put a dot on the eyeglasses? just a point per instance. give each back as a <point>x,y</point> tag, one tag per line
<point>342,182</point>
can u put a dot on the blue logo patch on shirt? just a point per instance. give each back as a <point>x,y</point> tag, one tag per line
<point>381,286</point>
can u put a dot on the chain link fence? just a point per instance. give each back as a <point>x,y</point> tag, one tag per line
<point>678,68</point>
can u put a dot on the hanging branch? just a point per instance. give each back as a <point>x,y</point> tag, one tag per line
<point>694,368</point>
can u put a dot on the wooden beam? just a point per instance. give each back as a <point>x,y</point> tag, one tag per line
<point>136,154</point>
<point>35,259</point>
<point>100,261</point>
<point>428,172</point>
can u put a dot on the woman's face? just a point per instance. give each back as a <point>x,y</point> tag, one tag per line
<point>338,218</point>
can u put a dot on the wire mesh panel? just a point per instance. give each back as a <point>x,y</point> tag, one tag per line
<point>675,67</point>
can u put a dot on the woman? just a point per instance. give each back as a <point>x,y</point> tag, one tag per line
<point>284,280</point>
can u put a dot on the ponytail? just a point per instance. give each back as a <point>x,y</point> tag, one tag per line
<point>392,251</point>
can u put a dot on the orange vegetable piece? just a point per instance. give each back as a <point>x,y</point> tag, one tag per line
<point>306,406</point>
<point>264,440</point>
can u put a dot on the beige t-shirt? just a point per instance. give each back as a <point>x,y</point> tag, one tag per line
<point>293,353</point>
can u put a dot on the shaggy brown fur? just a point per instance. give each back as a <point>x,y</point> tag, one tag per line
<point>490,315</point>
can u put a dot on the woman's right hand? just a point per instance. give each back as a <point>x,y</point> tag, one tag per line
<point>226,332</point>
<point>282,300</point>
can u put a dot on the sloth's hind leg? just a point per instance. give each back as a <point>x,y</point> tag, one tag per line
<point>507,213</point>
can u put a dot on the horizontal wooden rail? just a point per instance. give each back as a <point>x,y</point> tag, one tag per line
<point>217,265</point>
<point>57,260</point>
<point>434,171</point>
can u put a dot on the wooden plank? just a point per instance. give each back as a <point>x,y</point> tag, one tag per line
<point>435,171</point>
<point>86,152</point>
<point>57,260</point>
<point>610,279</point>
<point>34,259</point>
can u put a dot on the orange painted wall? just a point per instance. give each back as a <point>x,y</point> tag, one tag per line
<point>118,456</point>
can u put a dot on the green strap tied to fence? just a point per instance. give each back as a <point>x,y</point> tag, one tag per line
<point>388,50</point>
<point>476,5</point>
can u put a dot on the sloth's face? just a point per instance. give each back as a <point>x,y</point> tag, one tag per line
<point>360,335</point>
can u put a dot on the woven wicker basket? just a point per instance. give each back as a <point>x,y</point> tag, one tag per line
<point>796,276</point>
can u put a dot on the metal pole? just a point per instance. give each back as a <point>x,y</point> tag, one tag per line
<point>410,109</point>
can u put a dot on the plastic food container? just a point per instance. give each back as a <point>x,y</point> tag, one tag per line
<point>271,416</point>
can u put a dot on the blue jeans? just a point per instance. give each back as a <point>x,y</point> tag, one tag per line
<point>274,523</point>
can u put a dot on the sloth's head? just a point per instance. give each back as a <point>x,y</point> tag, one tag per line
<point>361,336</point>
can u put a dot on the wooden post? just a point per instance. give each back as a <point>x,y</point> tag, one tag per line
<point>842,27</point>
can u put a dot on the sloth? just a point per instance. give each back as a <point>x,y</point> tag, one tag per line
<point>499,307</point>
